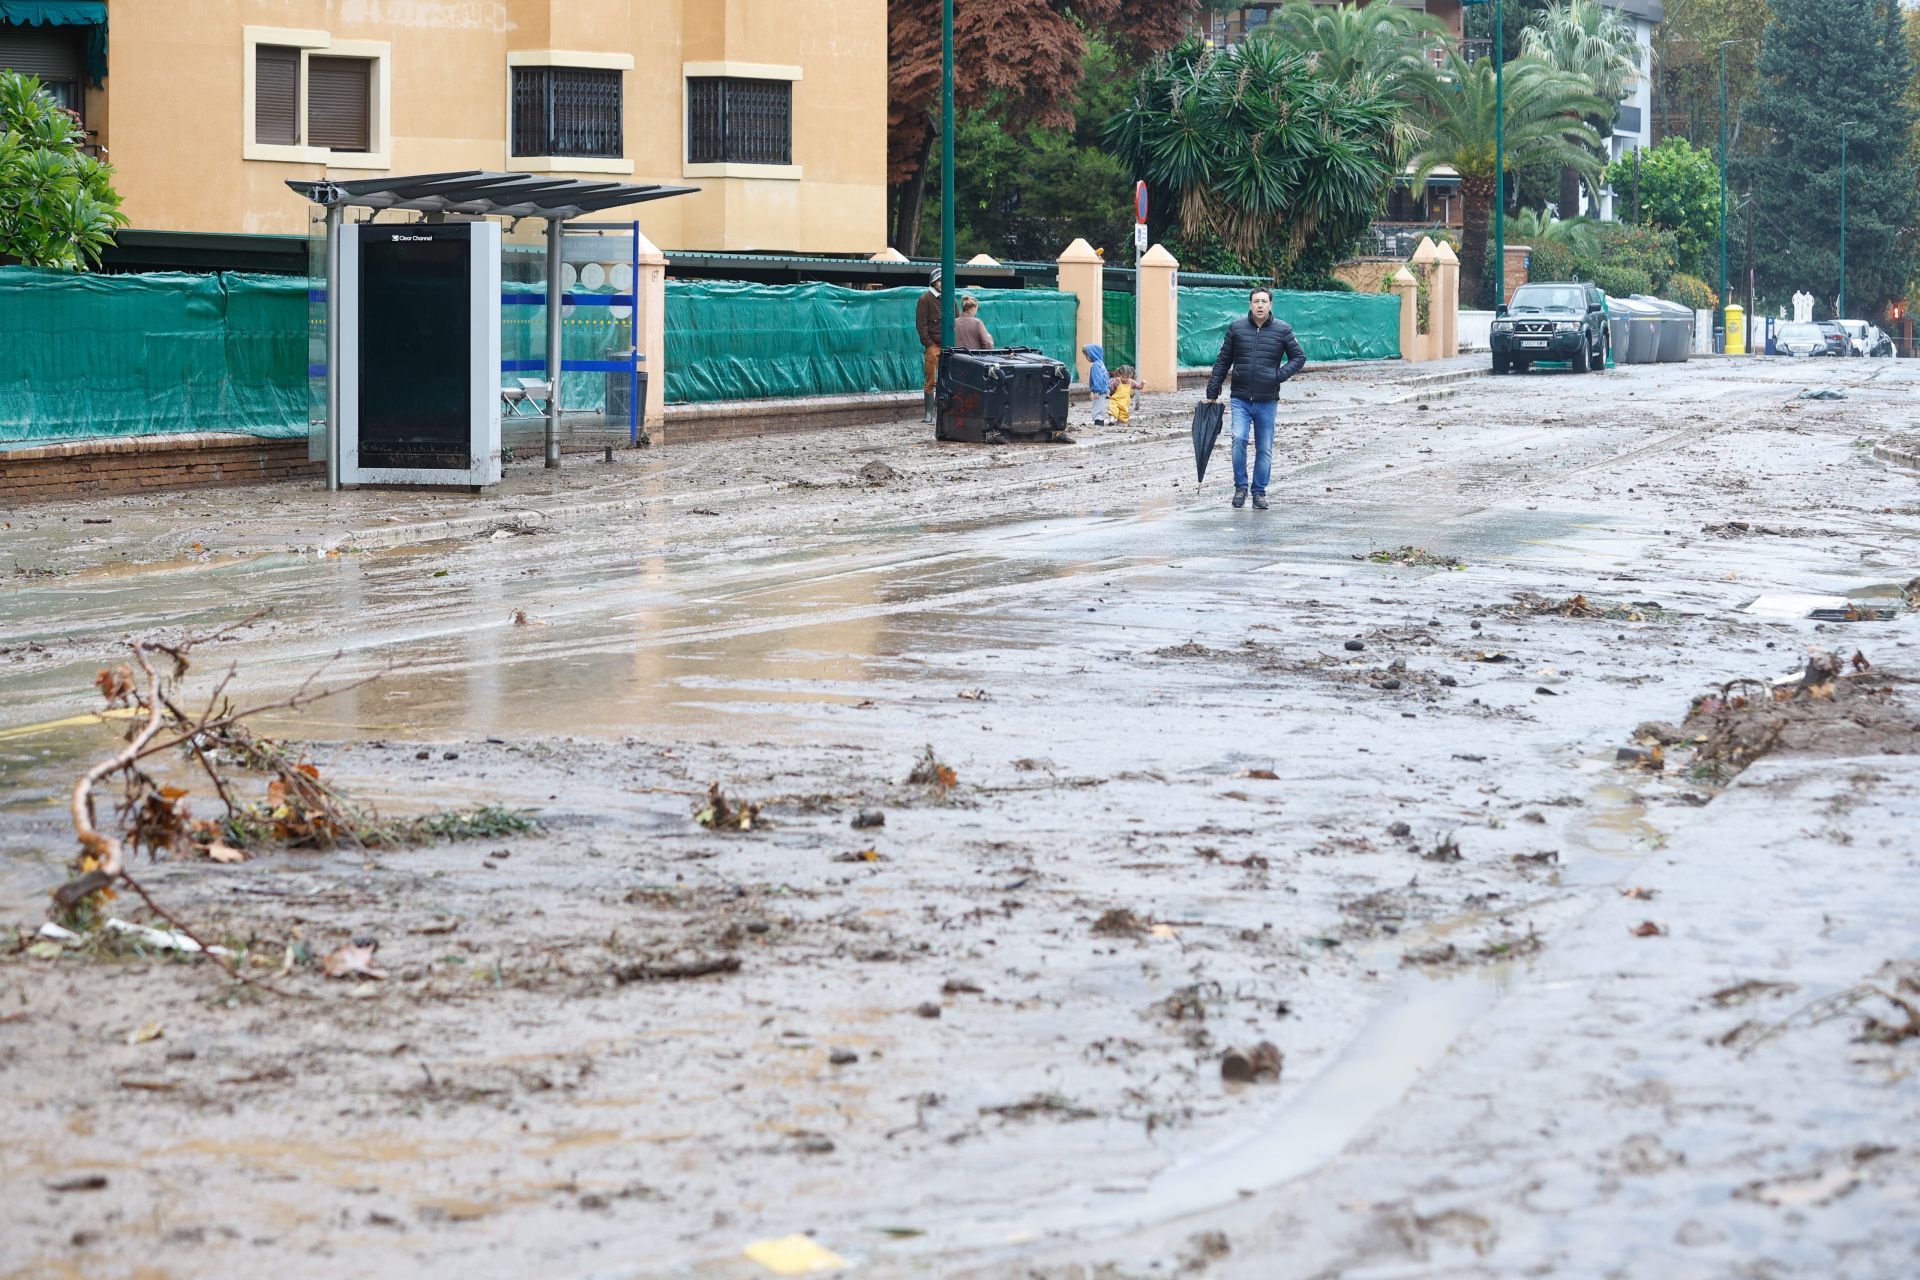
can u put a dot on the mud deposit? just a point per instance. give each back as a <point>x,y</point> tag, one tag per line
<point>1064,782</point>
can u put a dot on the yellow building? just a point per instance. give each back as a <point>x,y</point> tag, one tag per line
<point>775,109</point>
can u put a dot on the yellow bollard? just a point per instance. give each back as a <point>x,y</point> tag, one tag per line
<point>1736,329</point>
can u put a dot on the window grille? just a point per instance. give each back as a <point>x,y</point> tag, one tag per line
<point>567,111</point>
<point>731,120</point>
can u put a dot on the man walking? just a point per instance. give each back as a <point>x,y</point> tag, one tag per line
<point>1252,350</point>
<point>926,322</point>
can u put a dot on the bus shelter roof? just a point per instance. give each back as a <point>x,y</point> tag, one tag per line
<point>483,193</point>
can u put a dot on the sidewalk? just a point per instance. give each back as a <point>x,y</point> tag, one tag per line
<point>198,527</point>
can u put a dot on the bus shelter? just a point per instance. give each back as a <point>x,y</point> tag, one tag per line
<point>480,194</point>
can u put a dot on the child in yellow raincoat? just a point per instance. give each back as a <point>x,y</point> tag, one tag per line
<point>1120,399</point>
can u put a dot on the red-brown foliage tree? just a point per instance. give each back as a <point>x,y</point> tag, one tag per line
<point>1022,56</point>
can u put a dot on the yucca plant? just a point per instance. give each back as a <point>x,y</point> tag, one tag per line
<point>1257,150</point>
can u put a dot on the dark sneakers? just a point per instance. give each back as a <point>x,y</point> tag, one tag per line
<point>1239,497</point>
<point>1259,502</point>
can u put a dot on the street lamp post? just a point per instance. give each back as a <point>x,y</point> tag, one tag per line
<point>1844,126</point>
<point>1499,161</point>
<point>949,286</point>
<point>1499,156</point>
<point>1723,183</point>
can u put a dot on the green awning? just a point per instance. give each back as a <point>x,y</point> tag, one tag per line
<point>91,14</point>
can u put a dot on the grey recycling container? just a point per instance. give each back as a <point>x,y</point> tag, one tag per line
<point>1676,330</point>
<point>1636,331</point>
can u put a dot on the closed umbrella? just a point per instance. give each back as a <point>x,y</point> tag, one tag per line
<point>1207,418</point>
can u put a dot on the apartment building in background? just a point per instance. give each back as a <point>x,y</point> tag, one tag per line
<point>775,109</point>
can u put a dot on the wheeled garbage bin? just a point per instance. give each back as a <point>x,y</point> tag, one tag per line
<point>1676,329</point>
<point>1000,396</point>
<point>1636,330</point>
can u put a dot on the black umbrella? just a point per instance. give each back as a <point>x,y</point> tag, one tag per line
<point>1207,417</point>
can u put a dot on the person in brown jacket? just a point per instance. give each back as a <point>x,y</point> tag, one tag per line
<point>926,322</point>
<point>969,330</point>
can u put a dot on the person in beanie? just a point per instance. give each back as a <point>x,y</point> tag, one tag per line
<point>926,321</point>
<point>1253,351</point>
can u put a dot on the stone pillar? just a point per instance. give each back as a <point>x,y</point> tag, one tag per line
<point>1157,345</point>
<point>650,330</point>
<point>1444,304</point>
<point>1409,290</point>
<point>1425,257</point>
<point>1081,271</point>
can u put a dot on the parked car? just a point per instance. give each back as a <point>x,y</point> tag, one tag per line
<point>1838,344</point>
<point>1552,322</point>
<point>1867,339</point>
<point>1794,339</point>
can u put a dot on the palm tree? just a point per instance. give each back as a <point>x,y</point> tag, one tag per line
<point>1592,41</point>
<point>1384,43</point>
<point>1544,120</point>
<point>1257,150</point>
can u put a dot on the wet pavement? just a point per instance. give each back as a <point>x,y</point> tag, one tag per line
<point>1188,814</point>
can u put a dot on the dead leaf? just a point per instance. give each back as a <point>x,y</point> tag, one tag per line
<point>1644,895</point>
<point>140,1035</point>
<point>1647,929</point>
<point>1265,775</point>
<point>221,851</point>
<point>355,960</point>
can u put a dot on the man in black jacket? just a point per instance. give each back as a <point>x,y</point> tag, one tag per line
<point>1253,351</point>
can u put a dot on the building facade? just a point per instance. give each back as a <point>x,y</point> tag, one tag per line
<point>775,109</point>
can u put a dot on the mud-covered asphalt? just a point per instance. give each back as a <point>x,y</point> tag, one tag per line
<point>1188,814</point>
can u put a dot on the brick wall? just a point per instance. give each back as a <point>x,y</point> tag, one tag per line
<point>145,464</point>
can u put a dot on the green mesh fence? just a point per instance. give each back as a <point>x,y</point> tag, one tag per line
<point>1116,328</point>
<point>1331,326</point>
<point>91,355</point>
<point>728,340</point>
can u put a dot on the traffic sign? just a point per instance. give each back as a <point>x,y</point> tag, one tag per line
<point>1140,203</point>
<point>1140,238</point>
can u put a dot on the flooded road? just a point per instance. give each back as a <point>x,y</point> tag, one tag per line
<point>1223,777</point>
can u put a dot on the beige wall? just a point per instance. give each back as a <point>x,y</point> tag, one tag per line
<point>179,153</point>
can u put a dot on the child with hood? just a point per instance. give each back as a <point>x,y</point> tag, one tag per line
<point>1098,381</point>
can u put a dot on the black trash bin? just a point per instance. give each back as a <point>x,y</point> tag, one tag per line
<point>1001,396</point>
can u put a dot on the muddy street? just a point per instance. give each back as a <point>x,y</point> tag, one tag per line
<point>890,842</point>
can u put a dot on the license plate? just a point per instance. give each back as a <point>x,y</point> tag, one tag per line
<point>1533,342</point>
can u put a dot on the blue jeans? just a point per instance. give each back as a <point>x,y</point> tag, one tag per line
<point>1257,415</point>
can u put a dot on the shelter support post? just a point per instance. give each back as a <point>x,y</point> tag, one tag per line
<point>556,233</point>
<point>335,223</point>
<point>650,326</point>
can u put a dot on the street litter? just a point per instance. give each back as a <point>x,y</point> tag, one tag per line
<point>794,1255</point>
<point>1241,1066</point>
<point>1825,393</point>
<point>720,814</point>
<point>164,939</point>
<point>354,960</point>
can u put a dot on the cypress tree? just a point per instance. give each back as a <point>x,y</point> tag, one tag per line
<point>1823,63</point>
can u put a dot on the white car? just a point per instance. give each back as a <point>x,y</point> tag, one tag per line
<point>1859,336</point>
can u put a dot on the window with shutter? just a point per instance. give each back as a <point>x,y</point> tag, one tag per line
<point>738,120</point>
<point>566,111</point>
<point>340,103</point>
<point>276,94</point>
<point>49,53</point>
